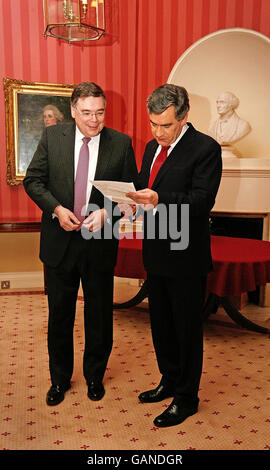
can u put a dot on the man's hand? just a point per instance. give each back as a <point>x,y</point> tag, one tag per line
<point>67,220</point>
<point>147,198</point>
<point>127,209</point>
<point>95,220</point>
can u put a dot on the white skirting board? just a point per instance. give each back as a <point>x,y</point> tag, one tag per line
<point>23,280</point>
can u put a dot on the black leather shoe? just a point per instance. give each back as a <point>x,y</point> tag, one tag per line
<point>56,394</point>
<point>158,394</point>
<point>96,390</point>
<point>175,414</point>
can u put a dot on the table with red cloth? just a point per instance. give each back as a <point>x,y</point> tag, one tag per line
<point>239,266</point>
<point>130,265</point>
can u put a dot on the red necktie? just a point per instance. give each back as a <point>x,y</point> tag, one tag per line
<point>80,186</point>
<point>157,165</point>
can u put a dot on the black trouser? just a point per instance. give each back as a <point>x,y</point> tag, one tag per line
<point>62,287</point>
<point>176,321</point>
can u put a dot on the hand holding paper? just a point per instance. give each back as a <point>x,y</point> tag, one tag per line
<point>115,190</point>
<point>146,198</point>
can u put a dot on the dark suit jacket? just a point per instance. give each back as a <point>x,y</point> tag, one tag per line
<point>49,181</point>
<point>190,175</point>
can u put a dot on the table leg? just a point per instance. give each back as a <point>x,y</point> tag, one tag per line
<point>212,303</point>
<point>236,316</point>
<point>138,298</point>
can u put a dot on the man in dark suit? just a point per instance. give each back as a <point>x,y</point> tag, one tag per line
<point>74,246</point>
<point>178,182</point>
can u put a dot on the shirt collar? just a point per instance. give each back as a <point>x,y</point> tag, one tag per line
<point>79,136</point>
<point>184,129</point>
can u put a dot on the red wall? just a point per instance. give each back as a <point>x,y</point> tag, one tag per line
<point>144,40</point>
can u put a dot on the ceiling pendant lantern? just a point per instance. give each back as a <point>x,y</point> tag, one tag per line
<point>74,20</point>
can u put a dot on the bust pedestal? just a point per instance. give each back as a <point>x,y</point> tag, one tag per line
<point>229,151</point>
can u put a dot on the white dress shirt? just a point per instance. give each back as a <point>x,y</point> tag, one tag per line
<point>184,129</point>
<point>93,146</point>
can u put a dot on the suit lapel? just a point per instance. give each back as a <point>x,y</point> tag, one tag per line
<point>179,151</point>
<point>67,143</point>
<point>104,154</point>
<point>149,156</point>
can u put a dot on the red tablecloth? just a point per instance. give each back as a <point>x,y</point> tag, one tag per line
<point>129,261</point>
<point>239,264</point>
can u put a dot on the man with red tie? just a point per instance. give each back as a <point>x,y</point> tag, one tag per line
<point>177,186</point>
<point>58,179</point>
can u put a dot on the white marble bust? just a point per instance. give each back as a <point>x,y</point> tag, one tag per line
<point>229,127</point>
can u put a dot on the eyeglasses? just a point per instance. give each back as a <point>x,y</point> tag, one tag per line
<point>90,114</point>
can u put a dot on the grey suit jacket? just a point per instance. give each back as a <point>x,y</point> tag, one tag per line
<point>49,181</point>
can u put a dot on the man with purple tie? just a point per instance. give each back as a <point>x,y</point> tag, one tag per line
<point>177,185</point>
<point>67,158</point>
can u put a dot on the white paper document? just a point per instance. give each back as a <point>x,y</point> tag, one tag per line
<point>115,190</point>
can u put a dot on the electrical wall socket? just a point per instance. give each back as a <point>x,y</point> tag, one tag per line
<point>5,284</point>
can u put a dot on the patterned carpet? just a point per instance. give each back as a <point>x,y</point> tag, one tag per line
<point>234,412</point>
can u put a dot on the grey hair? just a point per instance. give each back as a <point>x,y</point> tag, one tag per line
<point>169,95</point>
<point>57,114</point>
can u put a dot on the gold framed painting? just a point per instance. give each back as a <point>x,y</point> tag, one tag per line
<point>29,107</point>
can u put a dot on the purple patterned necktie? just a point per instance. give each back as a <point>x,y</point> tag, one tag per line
<point>80,186</point>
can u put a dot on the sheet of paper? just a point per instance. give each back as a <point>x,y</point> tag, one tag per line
<point>115,190</point>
